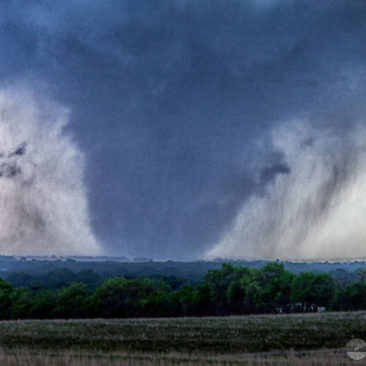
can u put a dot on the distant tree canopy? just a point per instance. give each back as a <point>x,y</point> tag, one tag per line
<point>228,290</point>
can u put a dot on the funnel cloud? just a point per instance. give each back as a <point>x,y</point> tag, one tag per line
<point>195,128</point>
<point>43,201</point>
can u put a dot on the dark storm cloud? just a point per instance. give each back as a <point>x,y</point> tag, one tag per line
<point>268,174</point>
<point>19,151</point>
<point>173,101</point>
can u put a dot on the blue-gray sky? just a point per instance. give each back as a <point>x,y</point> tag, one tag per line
<point>174,105</point>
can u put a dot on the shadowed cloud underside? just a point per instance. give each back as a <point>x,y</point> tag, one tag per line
<point>180,111</point>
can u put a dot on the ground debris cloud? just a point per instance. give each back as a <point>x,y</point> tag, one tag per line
<point>315,211</point>
<point>43,201</point>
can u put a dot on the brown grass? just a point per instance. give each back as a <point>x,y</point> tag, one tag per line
<point>268,340</point>
<point>26,357</point>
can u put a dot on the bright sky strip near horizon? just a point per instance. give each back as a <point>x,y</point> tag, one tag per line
<point>205,128</point>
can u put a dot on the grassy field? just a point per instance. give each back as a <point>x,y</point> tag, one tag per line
<point>307,339</point>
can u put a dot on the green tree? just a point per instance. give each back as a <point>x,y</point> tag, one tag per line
<point>312,290</point>
<point>202,300</point>
<point>20,300</point>
<point>5,301</point>
<point>351,297</point>
<point>109,299</point>
<point>42,304</point>
<point>225,289</point>
<point>71,301</point>
<point>182,301</point>
<point>276,284</point>
<point>118,297</point>
<point>361,272</point>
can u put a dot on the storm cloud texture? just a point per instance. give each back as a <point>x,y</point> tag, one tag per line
<point>207,128</point>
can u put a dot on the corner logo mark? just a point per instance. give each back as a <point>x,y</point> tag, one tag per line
<point>356,349</point>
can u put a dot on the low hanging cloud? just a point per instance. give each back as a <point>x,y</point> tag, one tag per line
<point>173,102</point>
<point>317,210</point>
<point>43,201</point>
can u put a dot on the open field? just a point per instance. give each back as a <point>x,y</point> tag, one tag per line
<point>64,358</point>
<point>306,339</point>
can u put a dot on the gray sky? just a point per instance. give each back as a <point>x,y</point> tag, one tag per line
<point>174,105</point>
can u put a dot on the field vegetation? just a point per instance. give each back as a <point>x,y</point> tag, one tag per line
<point>295,339</point>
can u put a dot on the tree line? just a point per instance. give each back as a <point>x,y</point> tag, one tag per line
<point>230,290</point>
